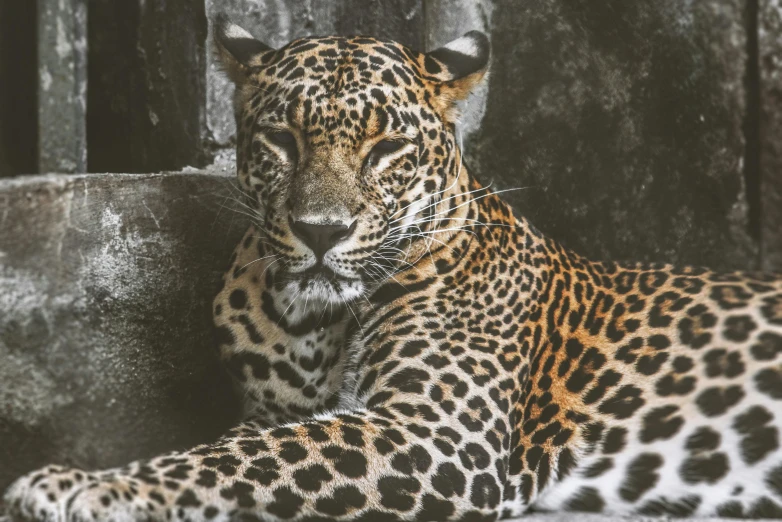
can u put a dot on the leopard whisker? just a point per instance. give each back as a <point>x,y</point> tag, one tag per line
<point>259,259</point>
<point>289,307</point>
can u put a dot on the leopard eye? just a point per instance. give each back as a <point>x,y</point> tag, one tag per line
<point>286,141</point>
<point>282,138</point>
<point>384,147</point>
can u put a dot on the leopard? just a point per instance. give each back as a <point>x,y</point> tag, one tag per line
<point>407,347</point>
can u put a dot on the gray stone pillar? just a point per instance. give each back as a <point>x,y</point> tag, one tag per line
<point>62,88</point>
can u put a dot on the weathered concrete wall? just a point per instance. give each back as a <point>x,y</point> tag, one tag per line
<point>106,349</point>
<point>622,121</point>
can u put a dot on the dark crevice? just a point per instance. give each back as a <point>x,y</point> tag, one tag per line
<point>147,74</point>
<point>752,147</point>
<point>116,90</point>
<point>18,88</point>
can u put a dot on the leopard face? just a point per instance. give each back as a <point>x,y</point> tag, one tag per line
<point>344,147</point>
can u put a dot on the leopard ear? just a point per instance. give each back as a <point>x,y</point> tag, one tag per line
<point>237,49</point>
<point>461,64</point>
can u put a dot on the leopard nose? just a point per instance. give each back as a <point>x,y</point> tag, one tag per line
<point>321,238</point>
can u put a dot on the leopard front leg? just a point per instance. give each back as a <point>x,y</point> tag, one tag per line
<point>363,465</point>
<point>285,355</point>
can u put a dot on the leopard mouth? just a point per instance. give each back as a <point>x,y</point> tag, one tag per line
<point>320,273</point>
<point>319,282</point>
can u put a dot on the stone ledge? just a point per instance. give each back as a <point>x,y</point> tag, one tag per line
<point>106,282</point>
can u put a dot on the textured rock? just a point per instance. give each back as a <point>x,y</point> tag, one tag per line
<point>770,54</point>
<point>623,123</point>
<point>106,350</point>
<point>147,88</point>
<point>62,85</point>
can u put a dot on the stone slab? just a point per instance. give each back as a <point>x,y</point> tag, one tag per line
<point>106,282</point>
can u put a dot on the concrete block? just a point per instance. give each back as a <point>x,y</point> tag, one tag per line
<point>106,348</point>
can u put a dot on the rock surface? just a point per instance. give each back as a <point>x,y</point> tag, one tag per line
<point>106,350</point>
<point>622,123</point>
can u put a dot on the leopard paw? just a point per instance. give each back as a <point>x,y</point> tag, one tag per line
<point>43,494</point>
<point>56,494</point>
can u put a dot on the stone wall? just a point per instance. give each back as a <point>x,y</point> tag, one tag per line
<point>634,130</point>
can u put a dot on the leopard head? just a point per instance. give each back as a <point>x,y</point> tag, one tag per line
<point>342,144</point>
